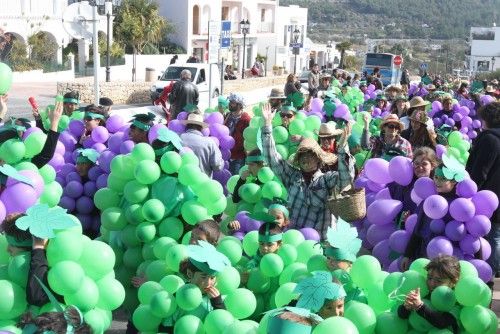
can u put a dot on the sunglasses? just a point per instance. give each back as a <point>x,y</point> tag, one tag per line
<point>88,118</point>
<point>392,126</point>
<point>286,115</point>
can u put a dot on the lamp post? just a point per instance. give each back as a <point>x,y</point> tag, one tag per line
<point>108,7</point>
<point>492,64</point>
<point>296,48</point>
<point>245,29</point>
<point>328,52</point>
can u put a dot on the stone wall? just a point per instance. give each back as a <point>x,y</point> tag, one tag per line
<point>124,92</point>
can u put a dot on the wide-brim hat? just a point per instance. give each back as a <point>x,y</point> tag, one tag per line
<point>430,87</point>
<point>418,101</point>
<point>195,119</point>
<point>394,119</point>
<point>310,145</point>
<point>277,93</point>
<point>396,88</point>
<point>489,89</point>
<point>420,116</point>
<point>328,130</point>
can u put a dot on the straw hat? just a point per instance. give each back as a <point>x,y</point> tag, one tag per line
<point>396,88</point>
<point>277,93</point>
<point>196,119</point>
<point>490,89</point>
<point>310,145</point>
<point>417,101</point>
<point>394,119</point>
<point>420,116</point>
<point>431,87</point>
<point>328,130</point>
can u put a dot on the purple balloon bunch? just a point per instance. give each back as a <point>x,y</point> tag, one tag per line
<point>462,116</point>
<point>217,132</point>
<point>415,90</point>
<point>456,227</point>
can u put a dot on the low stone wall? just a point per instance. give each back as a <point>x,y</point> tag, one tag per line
<point>125,92</point>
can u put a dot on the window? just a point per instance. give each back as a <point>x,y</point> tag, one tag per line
<point>201,77</point>
<point>225,13</point>
<point>262,15</point>
<point>379,59</point>
<point>483,65</point>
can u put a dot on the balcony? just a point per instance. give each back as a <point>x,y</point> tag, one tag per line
<point>265,27</point>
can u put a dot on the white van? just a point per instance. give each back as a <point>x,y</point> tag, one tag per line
<point>200,75</point>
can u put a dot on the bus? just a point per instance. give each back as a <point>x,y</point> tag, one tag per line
<point>390,74</point>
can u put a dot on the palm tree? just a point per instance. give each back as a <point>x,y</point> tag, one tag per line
<point>342,47</point>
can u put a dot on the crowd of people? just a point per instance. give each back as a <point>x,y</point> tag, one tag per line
<point>349,208</point>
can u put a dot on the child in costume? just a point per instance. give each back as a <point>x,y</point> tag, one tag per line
<point>86,159</point>
<point>291,320</point>
<point>441,271</point>
<point>278,210</point>
<point>254,162</point>
<point>328,303</point>
<point>270,236</point>
<point>139,129</point>
<point>207,230</point>
<point>166,141</point>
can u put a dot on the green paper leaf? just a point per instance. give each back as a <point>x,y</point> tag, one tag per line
<point>453,169</point>
<point>10,171</point>
<point>168,136</point>
<point>89,153</point>
<point>206,253</point>
<point>42,221</point>
<point>344,236</point>
<point>316,289</point>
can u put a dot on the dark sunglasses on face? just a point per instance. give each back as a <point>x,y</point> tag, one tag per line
<point>286,115</point>
<point>87,118</point>
<point>392,126</point>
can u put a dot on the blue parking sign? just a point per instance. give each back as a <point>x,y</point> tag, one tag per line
<point>225,35</point>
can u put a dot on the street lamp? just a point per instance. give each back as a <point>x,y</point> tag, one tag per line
<point>329,47</point>
<point>108,7</point>
<point>296,48</point>
<point>245,29</point>
<point>492,64</point>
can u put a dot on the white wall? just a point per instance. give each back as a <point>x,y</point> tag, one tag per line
<point>484,50</point>
<point>295,16</point>
<point>39,76</point>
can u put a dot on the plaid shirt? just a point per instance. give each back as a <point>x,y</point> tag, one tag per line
<point>307,203</point>
<point>379,147</point>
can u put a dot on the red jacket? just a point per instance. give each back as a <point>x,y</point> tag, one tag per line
<point>238,151</point>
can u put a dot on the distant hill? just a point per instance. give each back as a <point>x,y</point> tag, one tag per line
<point>435,19</point>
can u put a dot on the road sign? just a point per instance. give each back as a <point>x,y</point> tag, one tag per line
<point>398,60</point>
<point>423,66</point>
<point>296,45</point>
<point>225,35</point>
<point>213,41</point>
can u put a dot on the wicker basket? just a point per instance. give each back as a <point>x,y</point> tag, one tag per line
<point>350,205</point>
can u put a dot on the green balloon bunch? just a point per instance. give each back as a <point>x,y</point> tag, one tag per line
<point>458,147</point>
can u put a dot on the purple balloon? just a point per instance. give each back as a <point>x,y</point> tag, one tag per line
<point>219,130</point>
<point>35,177</point>
<point>30,131</point>
<point>485,249</point>
<point>415,198</point>
<point>472,134</point>
<point>89,188</point>
<point>84,205</point>
<point>486,202</point>
<point>182,116</point>
<point>226,154</point>
<point>76,128</point>
<point>60,148</point>
<point>88,143</point>
<point>457,117</point>
<point>215,140</point>
<point>153,132</point>
<point>450,122</point>
<point>94,173</point>
<point>239,235</point>
<point>383,211</point>
<point>114,123</point>
<point>226,143</point>
<point>377,233</point>
<point>484,270</point>
<point>399,240</point>
<point>67,203</point>
<point>401,170</point>
<point>100,134</point>
<point>102,181</point>
<point>455,230</point>
<point>435,206</point>
<point>462,209</point>
<point>317,105</point>
<point>105,160</point>
<point>383,194</point>
<point>466,188</point>
<point>374,186</point>
<point>176,126</point>
<point>214,117</point>
<point>410,223</point>
<point>69,157</point>
<point>73,189</point>
<point>382,251</point>
<point>99,147</point>
<point>85,220</point>
<point>222,176</point>
<point>463,111</point>
<point>3,211</point>
<point>440,150</point>
<point>437,226</point>
<point>342,111</point>
<point>377,170</point>
<point>252,225</point>
<point>476,124</point>
<point>370,198</point>
<point>126,147</point>
<point>486,99</point>
<point>61,181</point>
<point>57,162</point>
<point>73,176</point>
<point>18,198</point>
<point>96,223</point>
<point>437,122</point>
<point>310,233</point>
<point>439,246</point>
<point>437,106</point>
<point>394,266</point>
<point>478,226</point>
<point>469,244</point>
<point>425,187</point>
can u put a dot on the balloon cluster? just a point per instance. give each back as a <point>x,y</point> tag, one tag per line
<point>458,227</point>
<point>463,116</point>
<point>5,78</point>
<point>80,270</point>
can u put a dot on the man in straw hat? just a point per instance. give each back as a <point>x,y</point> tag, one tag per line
<point>328,135</point>
<point>417,104</point>
<point>204,148</point>
<point>276,98</point>
<point>390,143</point>
<point>308,188</point>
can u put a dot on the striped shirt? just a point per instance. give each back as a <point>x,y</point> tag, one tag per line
<point>307,202</point>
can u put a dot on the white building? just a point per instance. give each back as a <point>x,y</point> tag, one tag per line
<point>270,32</point>
<point>484,49</point>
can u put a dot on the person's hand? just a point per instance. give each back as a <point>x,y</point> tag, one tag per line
<point>295,138</point>
<point>55,116</point>
<point>245,174</point>
<point>405,264</point>
<point>413,300</point>
<point>234,225</point>
<point>39,243</point>
<point>137,281</point>
<point>3,105</point>
<point>346,133</point>
<point>268,114</point>
<point>366,120</point>
<point>212,292</point>
<point>36,114</point>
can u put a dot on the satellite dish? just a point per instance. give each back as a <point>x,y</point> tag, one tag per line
<point>77,20</point>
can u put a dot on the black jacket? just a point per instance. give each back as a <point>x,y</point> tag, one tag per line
<point>484,162</point>
<point>184,92</point>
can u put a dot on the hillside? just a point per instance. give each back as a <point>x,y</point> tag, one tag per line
<point>435,19</point>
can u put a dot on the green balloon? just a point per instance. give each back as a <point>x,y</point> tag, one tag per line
<point>256,122</point>
<point>123,166</point>
<point>65,246</point>
<point>105,198</point>
<point>193,212</point>
<point>258,282</point>
<point>467,269</point>
<point>282,151</point>
<point>454,138</point>
<point>93,250</point>
<point>147,172</point>
<point>95,320</point>
<point>377,298</point>
<point>145,231</point>
<point>144,319</point>
<point>148,251</point>
<point>132,258</point>
<point>228,280</point>
<point>27,165</point>
<point>443,298</point>
<point>65,277</point>
<point>162,245</point>
<point>390,323</point>
<point>468,291</point>
<point>272,189</point>
<point>172,283</point>
<point>251,243</point>
<point>209,191</point>
<point>12,151</point>
<point>250,134</point>
<point>317,262</point>
<point>5,78</point>
<point>143,151</point>
<point>113,219</point>
<point>86,297</point>
<point>232,249</point>
<point>364,269</point>
<point>231,183</point>
<point>280,135</point>
<point>34,144</point>
<point>18,268</point>
<point>129,237</point>
<point>288,254</point>
<point>162,304</point>
<point>189,158</point>
<point>250,192</point>
<point>171,162</point>
<point>156,270</point>
<point>188,297</point>
<point>216,207</point>
<point>63,123</point>
<point>188,324</point>
<point>116,183</point>
<point>312,123</point>
<point>148,290</point>
<point>12,300</point>
<point>175,255</point>
<point>362,316</point>
<point>171,227</point>
<point>341,325</point>
<point>153,210</point>
<point>111,293</point>
<point>217,321</point>
<point>293,273</point>
<point>135,191</point>
<point>419,266</point>
<point>293,237</point>
<point>48,174</point>
<point>51,194</point>
<point>413,280</point>
<point>271,265</point>
<point>475,319</point>
<point>285,294</point>
<point>307,249</point>
<point>133,214</point>
<point>241,303</point>
<point>297,127</point>
<point>391,282</point>
<point>265,174</point>
<point>189,174</point>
